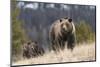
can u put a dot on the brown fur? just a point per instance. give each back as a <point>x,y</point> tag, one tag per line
<point>62,31</point>
<point>32,49</point>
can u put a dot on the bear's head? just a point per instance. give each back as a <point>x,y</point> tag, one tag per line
<point>66,25</point>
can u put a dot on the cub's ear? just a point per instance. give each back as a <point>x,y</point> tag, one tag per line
<point>36,42</point>
<point>29,43</point>
<point>70,20</point>
<point>60,20</point>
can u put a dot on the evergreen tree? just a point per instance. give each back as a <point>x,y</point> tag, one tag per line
<point>18,33</point>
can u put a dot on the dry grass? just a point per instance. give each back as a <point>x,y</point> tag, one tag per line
<point>82,52</point>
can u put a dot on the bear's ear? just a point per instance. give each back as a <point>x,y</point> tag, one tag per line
<point>70,20</point>
<point>60,20</point>
<point>29,43</point>
<point>35,42</point>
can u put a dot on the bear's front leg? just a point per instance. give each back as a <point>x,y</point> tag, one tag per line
<point>71,42</point>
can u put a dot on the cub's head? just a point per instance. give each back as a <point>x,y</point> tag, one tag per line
<point>66,24</point>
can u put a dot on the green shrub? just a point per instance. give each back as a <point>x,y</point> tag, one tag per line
<point>18,33</point>
<point>84,32</point>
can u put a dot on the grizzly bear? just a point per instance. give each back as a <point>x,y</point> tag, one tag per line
<point>32,49</point>
<point>62,31</point>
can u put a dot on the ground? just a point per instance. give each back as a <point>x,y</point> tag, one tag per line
<point>83,52</point>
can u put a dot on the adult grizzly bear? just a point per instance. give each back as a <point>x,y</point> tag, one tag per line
<point>61,31</point>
